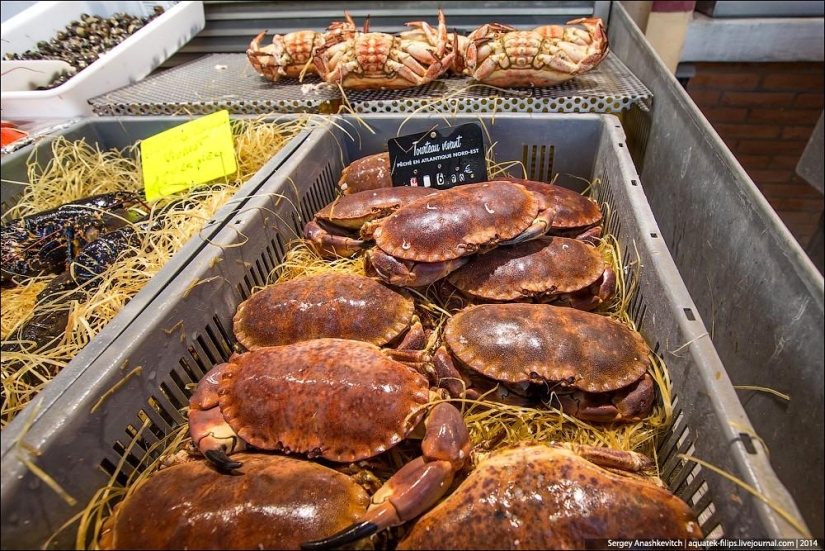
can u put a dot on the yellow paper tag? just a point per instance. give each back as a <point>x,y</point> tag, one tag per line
<point>193,153</point>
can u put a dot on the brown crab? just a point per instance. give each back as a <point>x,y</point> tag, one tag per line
<point>552,270</point>
<point>535,496</point>
<point>339,400</point>
<point>594,367</point>
<point>369,60</point>
<point>501,55</point>
<point>333,304</point>
<point>290,55</point>
<point>334,231</point>
<point>457,43</point>
<point>273,502</point>
<point>370,172</point>
<point>574,215</point>
<point>430,237</point>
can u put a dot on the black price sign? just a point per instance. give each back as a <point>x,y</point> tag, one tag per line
<point>439,158</point>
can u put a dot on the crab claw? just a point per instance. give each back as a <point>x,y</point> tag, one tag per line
<point>331,246</point>
<point>209,430</point>
<point>222,461</point>
<point>540,226</point>
<point>627,405</point>
<point>407,273</point>
<point>418,485</point>
<point>261,58</point>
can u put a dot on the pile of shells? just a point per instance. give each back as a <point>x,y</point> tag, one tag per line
<point>82,42</point>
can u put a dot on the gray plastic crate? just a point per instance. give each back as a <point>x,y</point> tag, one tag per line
<point>119,132</point>
<point>761,296</point>
<point>188,329</point>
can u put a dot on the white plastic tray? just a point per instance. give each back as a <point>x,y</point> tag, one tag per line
<point>125,64</point>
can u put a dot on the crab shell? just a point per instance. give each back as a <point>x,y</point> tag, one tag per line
<point>340,305</point>
<point>457,222</point>
<point>333,232</point>
<point>572,212</point>
<point>540,270</point>
<point>289,55</point>
<point>542,497</point>
<point>337,399</point>
<point>538,343</point>
<point>273,502</point>
<point>370,172</point>
<point>370,60</point>
<point>546,56</point>
<point>353,211</point>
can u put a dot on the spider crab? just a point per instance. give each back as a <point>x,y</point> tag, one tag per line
<point>290,55</point>
<point>340,400</point>
<point>370,61</point>
<point>594,367</point>
<point>557,496</point>
<point>501,55</point>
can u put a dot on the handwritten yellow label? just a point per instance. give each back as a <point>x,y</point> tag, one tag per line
<point>193,153</point>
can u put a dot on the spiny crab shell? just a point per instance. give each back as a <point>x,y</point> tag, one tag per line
<point>332,304</point>
<point>593,365</point>
<point>432,236</point>
<point>536,496</point>
<point>370,60</point>
<point>500,55</point>
<point>557,270</point>
<point>302,398</point>
<point>272,502</point>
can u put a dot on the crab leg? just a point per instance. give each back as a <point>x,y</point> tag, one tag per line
<point>591,297</point>
<point>418,485</point>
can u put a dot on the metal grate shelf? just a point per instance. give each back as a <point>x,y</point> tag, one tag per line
<point>228,81</point>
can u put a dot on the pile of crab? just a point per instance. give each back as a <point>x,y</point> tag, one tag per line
<point>493,54</point>
<point>349,416</point>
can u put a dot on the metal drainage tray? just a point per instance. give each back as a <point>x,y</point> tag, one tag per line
<point>228,81</point>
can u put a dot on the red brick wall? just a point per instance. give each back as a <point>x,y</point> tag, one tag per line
<point>765,113</point>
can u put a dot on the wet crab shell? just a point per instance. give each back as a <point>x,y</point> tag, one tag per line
<point>457,222</point>
<point>337,399</point>
<point>272,502</point>
<point>370,172</point>
<point>341,305</point>
<point>353,210</point>
<point>571,210</point>
<point>534,269</point>
<point>541,497</point>
<point>519,343</point>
